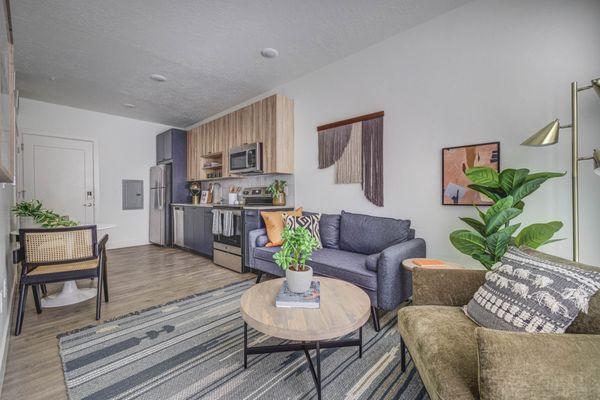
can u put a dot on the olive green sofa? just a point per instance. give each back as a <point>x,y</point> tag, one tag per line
<point>459,360</point>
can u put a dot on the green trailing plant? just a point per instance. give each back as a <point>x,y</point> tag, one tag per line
<point>276,188</point>
<point>298,245</point>
<point>493,232</point>
<point>46,218</point>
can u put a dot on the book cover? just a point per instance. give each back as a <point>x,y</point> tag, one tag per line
<point>309,299</point>
<point>427,262</point>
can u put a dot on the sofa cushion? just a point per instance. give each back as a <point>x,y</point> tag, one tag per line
<point>516,365</point>
<point>367,234</point>
<point>262,240</point>
<point>330,230</point>
<point>443,346</point>
<point>274,223</point>
<point>310,222</point>
<point>333,263</point>
<point>371,262</point>
<point>531,294</point>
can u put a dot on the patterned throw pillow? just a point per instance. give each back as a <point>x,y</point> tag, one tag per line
<point>310,222</point>
<point>531,294</point>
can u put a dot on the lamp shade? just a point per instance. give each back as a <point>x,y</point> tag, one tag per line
<point>596,85</point>
<point>596,158</point>
<point>546,136</point>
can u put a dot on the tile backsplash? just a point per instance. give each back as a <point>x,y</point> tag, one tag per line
<point>254,181</point>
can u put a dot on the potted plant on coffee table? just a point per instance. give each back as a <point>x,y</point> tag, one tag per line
<point>298,245</point>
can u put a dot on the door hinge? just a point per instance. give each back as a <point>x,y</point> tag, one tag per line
<point>22,147</point>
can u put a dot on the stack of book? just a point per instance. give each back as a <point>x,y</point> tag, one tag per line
<point>309,299</point>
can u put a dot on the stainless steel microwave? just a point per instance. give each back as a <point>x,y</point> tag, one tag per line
<point>246,159</point>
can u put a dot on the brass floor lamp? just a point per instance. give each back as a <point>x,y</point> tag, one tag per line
<point>548,135</point>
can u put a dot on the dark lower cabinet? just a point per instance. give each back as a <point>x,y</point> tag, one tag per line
<point>206,241</point>
<point>197,229</point>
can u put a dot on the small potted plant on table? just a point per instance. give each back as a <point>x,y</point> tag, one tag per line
<point>277,191</point>
<point>298,245</point>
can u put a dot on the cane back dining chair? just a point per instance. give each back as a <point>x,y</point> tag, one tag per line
<point>59,255</point>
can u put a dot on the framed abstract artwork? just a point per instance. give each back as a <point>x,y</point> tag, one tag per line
<point>455,161</point>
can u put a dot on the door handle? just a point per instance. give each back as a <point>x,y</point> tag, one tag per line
<point>88,205</point>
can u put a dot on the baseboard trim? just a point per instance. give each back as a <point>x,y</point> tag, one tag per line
<point>5,338</point>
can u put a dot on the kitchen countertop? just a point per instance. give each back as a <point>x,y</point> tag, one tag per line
<point>249,207</point>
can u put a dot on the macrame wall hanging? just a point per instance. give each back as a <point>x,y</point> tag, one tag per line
<point>355,146</point>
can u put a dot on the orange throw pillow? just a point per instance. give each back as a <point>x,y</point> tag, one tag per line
<point>274,224</point>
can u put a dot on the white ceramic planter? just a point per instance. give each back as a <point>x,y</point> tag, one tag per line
<point>28,223</point>
<point>299,281</point>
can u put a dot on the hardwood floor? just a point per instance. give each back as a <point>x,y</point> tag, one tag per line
<point>139,277</point>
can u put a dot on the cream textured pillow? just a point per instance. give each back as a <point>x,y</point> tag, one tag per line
<point>531,294</point>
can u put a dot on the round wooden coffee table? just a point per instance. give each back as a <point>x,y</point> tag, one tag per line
<point>344,308</point>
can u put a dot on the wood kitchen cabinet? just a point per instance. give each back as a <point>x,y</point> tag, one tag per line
<point>197,229</point>
<point>269,121</point>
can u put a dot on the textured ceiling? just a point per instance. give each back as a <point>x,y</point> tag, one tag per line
<point>98,55</point>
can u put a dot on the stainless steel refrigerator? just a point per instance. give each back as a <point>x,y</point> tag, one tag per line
<point>160,204</point>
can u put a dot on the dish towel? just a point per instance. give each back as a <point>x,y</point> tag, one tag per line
<point>227,223</point>
<point>216,228</point>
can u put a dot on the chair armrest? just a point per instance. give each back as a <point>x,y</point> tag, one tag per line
<point>394,284</point>
<point>253,236</point>
<point>516,365</point>
<point>445,287</point>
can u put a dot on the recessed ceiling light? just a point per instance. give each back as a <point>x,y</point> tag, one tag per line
<point>158,77</point>
<point>269,52</point>
<point>129,105</point>
<point>52,78</point>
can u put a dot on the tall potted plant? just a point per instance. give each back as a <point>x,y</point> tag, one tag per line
<point>492,233</point>
<point>298,245</point>
<point>277,191</point>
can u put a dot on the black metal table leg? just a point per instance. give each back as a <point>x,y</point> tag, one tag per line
<point>318,349</point>
<point>315,370</point>
<point>402,355</point>
<point>360,340</point>
<point>245,345</point>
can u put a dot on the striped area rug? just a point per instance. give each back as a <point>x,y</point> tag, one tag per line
<point>192,349</point>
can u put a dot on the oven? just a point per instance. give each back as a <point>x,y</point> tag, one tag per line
<point>227,245</point>
<point>246,159</point>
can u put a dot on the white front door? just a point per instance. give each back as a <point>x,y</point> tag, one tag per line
<point>59,172</point>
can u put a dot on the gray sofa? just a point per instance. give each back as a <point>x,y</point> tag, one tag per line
<point>362,249</point>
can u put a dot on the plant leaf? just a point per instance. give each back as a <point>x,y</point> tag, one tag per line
<point>526,189</point>
<point>503,217</point>
<point>475,224</point>
<point>485,259</point>
<point>486,191</point>
<point>511,178</point>
<point>501,205</point>
<point>484,176</point>
<point>498,243</point>
<point>544,175</point>
<point>536,235</point>
<point>467,242</point>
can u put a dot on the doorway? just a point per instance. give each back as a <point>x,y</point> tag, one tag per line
<point>59,172</point>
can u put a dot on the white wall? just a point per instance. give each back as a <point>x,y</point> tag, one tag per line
<point>487,71</point>
<point>124,149</point>
<point>7,270</point>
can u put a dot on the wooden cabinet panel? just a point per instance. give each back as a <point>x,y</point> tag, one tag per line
<point>269,121</point>
<point>193,154</point>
